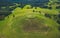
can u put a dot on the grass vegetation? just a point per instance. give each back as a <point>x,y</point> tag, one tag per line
<point>30,22</point>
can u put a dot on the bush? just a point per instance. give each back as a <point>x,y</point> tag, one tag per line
<point>48,15</point>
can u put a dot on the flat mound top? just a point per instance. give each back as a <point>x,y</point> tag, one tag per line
<point>34,24</point>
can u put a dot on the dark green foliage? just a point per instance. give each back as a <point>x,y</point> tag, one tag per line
<point>59,28</point>
<point>4,13</point>
<point>49,7</point>
<point>58,18</point>
<point>58,7</point>
<point>48,15</point>
<point>13,15</point>
<point>58,15</point>
<point>2,17</point>
<point>33,10</point>
<point>40,12</point>
<point>58,21</point>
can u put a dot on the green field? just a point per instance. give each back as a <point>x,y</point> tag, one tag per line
<point>29,23</point>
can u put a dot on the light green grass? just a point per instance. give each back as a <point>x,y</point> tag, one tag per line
<point>12,27</point>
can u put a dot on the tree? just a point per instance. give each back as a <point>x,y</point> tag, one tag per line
<point>14,6</point>
<point>52,3</point>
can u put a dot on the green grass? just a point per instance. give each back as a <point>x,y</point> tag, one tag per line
<point>12,27</point>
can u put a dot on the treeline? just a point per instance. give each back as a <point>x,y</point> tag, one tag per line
<point>6,8</point>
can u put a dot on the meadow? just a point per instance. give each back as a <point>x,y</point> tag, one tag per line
<point>30,22</point>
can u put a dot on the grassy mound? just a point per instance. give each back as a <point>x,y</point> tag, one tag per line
<point>34,25</point>
<point>24,23</point>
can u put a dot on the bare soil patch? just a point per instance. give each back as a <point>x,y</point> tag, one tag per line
<point>34,24</point>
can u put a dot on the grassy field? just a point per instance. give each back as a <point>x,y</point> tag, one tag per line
<point>29,23</point>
